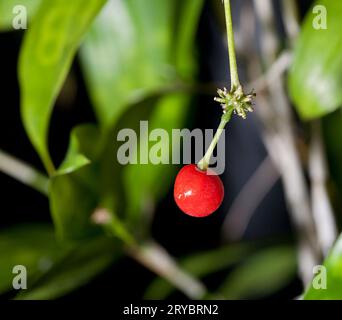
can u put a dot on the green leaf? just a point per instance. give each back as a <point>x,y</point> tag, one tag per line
<point>74,187</point>
<point>188,14</point>
<point>200,265</point>
<point>33,246</point>
<point>73,198</point>
<point>332,275</point>
<point>84,145</point>
<point>315,81</point>
<point>262,274</point>
<point>47,53</point>
<point>169,113</point>
<point>125,54</point>
<point>76,269</point>
<point>7,15</point>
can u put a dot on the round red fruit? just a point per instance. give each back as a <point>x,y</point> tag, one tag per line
<point>198,193</point>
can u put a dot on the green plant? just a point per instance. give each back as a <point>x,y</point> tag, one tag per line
<point>138,59</point>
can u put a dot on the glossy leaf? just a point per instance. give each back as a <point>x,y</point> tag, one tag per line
<point>262,274</point>
<point>126,54</point>
<point>315,80</point>
<point>76,269</point>
<point>46,55</point>
<point>327,283</point>
<point>33,246</point>
<point>11,8</point>
<point>200,265</point>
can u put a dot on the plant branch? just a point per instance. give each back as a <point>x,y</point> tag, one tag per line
<point>321,207</point>
<point>151,255</point>
<point>23,172</point>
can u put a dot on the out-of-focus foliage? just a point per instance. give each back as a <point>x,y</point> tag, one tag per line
<point>261,274</point>
<point>201,265</point>
<point>130,54</point>
<point>133,53</point>
<point>53,268</point>
<point>315,78</point>
<point>33,246</point>
<point>46,55</point>
<point>328,281</point>
<point>148,56</point>
<point>7,12</point>
<point>77,268</point>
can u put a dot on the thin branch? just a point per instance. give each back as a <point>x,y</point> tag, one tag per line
<point>151,255</point>
<point>322,210</point>
<point>291,19</point>
<point>156,258</point>
<point>248,199</point>
<point>279,125</point>
<point>23,172</point>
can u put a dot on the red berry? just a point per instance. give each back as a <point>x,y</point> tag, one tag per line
<point>197,193</point>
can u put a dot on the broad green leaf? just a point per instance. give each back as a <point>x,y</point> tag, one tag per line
<point>9,9</point>
<point>315,80</point>
<point>188,13</point>
<point>327,282</point>
<point>78,268</point>
<point>126,54</point>
<point>46,55</point>
<point>33,246</point>
<point>200,265</point>
<point>262,274</point>
<point>169,113</point>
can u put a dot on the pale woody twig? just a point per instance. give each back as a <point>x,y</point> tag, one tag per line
<point>23,172</point>
<point>156,259</point>
<point>321,207</point>
<point>289,164</point>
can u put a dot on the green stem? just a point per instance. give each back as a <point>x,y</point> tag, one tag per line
<point>235,82</point>
<point>203,164</point>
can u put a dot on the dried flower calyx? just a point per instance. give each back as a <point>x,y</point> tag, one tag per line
<point>235,101</point>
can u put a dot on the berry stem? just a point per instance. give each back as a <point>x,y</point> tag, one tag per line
<point>234,76</point>
<point>203,164</point>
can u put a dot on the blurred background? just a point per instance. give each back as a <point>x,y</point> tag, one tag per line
<point>162,61</point>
